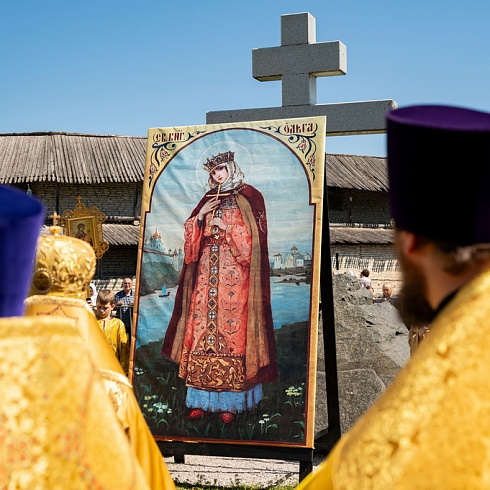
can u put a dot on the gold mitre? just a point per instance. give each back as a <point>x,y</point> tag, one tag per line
<point>64,266</point>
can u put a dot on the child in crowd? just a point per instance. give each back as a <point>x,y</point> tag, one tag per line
<point>113,328</point>
<point>365,281</point>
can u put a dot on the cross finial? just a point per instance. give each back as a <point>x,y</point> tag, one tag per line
<point>55,217</point>
<point>55,229</point>
<point>299,60</point>
<point>79,199</point>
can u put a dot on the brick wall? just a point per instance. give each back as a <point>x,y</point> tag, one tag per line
<point>112,199</point>
<point>117,262</point>
<point>350,206</point>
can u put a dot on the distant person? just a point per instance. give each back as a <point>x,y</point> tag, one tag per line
<point>92,297</point>
<point>124,300</point>
<point>365,281</point>
<point>387,290</point>
<point>113,328</point>
<point>430,429</point>
<point>387,294</point>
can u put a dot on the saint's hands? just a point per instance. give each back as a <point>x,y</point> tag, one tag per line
<point>208,207</point>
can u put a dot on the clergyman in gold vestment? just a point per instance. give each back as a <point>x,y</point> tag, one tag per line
<point>63,269</point>
<point>431,427</point>
<point>58,428</point>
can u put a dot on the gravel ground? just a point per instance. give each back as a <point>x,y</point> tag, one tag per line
<point>232,472</point>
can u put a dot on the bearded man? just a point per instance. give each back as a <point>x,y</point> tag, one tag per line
<point>431,427</point>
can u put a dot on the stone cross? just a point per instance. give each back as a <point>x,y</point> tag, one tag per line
<point>298,62</point>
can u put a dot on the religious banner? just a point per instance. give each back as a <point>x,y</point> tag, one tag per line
<point>86,224</point>
<point>227,296</point>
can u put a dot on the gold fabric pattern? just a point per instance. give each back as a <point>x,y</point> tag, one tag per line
<point>431,428</point>
<point>118,393</point>
<point>48,439</point>
<point>116,387</point>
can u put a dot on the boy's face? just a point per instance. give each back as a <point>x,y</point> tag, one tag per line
<point>104,309</point>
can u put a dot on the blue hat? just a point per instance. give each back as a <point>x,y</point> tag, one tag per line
<point>439,172</point>
<point>21,217</point>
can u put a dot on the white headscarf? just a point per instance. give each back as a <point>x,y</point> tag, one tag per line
<point>94,295</point>
<point>235,177</point>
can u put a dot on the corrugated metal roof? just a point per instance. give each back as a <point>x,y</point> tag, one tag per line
<point>94,159</point>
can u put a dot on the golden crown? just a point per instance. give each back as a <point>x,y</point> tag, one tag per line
<point>64,266</point>
<point>219,159</point>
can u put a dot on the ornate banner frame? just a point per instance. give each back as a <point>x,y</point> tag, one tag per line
<point>275,205</point>
<point>85,224</point>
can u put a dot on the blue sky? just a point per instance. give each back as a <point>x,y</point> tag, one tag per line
<point>107,67</point>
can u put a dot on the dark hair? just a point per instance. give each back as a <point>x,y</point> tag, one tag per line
<point>365,272</point>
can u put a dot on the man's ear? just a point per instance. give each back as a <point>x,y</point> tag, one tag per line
<point>409,243</point>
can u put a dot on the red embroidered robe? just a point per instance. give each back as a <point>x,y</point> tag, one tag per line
<point>221,330</point>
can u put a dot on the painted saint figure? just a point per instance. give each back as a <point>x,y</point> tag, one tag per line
<point>221,332</point>
<point>82,235</point>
